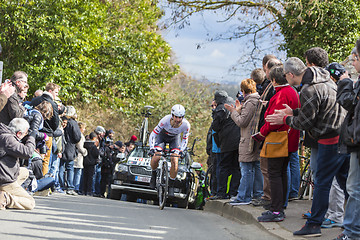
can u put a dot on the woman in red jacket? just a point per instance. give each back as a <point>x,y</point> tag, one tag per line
<point>277,167</point>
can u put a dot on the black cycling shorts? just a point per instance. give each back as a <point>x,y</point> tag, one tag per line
<point>162,139</point>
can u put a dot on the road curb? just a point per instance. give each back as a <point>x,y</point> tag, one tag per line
<point>247,214</point>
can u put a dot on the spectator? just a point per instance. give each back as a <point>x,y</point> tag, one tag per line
<point>38,93</point>
<point>266,94</point>
<point>78,162</point>
<point>12,195</point>
<point>277,167</point>
<point>90,160</point>
<point>107,166</point>
<point>321,116</point>
<point>227,137</point>
<point>72,135</point>
<point>346,94</point>
<point>100,132</point>
<point>251,182</point>
<point>6,90</point>
<point>129,146</point>
<point>51,93</point>
<point>13,108</point>
<point>259,76</point>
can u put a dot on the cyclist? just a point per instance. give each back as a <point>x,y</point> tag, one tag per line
<point>168,131</point>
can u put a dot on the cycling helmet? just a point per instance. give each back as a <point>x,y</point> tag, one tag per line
<point>178,110</point>
<point>197,166</point>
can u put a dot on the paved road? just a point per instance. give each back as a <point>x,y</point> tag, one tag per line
<point>80,217</point>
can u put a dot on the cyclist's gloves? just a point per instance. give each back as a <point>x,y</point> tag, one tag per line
<point>151,152</point>
<point>182,154</point>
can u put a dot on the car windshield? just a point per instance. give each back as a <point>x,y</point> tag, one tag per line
<point>142,152</point>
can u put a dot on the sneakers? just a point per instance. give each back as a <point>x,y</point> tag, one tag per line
<point>327,223</point>
<point>260,202</point>
<point>238,202</point>
<point>343,237</point>
<point>232,198</point>
<point>44,193</point>
<point>153,179</point>
<point>306,215</point>
<point>271,217</point>
<point>218,197</point>
<point>270,212</point>
<point>309,230</point>
<point>71,192</point>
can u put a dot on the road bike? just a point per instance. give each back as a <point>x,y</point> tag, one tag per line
<point>162,179</point>
<point>306,179</point>
<point>144,130</point>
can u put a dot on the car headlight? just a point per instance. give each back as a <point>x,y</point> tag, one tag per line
<point>181,175</point>
<point>121,167</point>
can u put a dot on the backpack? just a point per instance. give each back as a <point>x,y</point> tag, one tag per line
<point>351,125</point>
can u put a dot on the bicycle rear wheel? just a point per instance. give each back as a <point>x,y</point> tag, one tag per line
<point>143,132</point>
<point>163,184</point>
<point>305,180</point>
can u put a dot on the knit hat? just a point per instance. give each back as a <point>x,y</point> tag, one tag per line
<point>99,129</point>
<point>133,138</point>
<point>119,144</point>
<point>336,70</point>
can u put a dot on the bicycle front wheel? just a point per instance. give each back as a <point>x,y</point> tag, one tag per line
<point>163,184</point>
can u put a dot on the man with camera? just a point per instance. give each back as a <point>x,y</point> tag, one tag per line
<point>14,108</point>
<point>15,145</point>
<point>107,165</point>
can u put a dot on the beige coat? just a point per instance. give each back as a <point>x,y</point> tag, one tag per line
<point>244,119</point>
<point>82,152</point>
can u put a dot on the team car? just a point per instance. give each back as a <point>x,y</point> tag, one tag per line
<point>132,177</point>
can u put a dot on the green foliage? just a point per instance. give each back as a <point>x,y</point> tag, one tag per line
<point>332,25</point>
<point>95,50</point>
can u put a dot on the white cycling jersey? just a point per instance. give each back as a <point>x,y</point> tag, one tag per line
<point>164,125</point>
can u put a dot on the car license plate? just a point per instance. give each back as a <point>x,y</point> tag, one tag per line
<point>142,179</point>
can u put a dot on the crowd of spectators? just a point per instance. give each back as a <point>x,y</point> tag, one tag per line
<point>44,148</point>
<point>314,98</point>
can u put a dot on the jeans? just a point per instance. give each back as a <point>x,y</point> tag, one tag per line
<point>352,212</point>
<point>335,210</point>
<point>328,164</point>
<point>227,166</point>
<point>54,168</point>
<point>293,174</point>
<point>96,180</point>
<point>313,157</point>
<point>251,182</point>
<point>69,166</point>
<point>44,183</point>
<point>77,178</point>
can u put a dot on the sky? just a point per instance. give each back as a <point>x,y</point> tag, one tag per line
<point>214,60</point>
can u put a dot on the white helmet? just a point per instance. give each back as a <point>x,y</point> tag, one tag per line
<point>178,110</point>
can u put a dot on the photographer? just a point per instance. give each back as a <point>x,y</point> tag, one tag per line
<point>107,165</point>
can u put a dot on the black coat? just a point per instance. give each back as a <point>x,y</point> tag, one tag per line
<point>227,135</point>
<point>92,157</point>
<point>72,136</point>
<point>49,125</point>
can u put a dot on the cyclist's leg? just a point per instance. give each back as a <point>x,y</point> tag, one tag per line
<point>174,145</point>
<point>174,165</point>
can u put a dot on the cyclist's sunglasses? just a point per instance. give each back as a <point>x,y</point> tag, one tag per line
<point>177,116</point>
